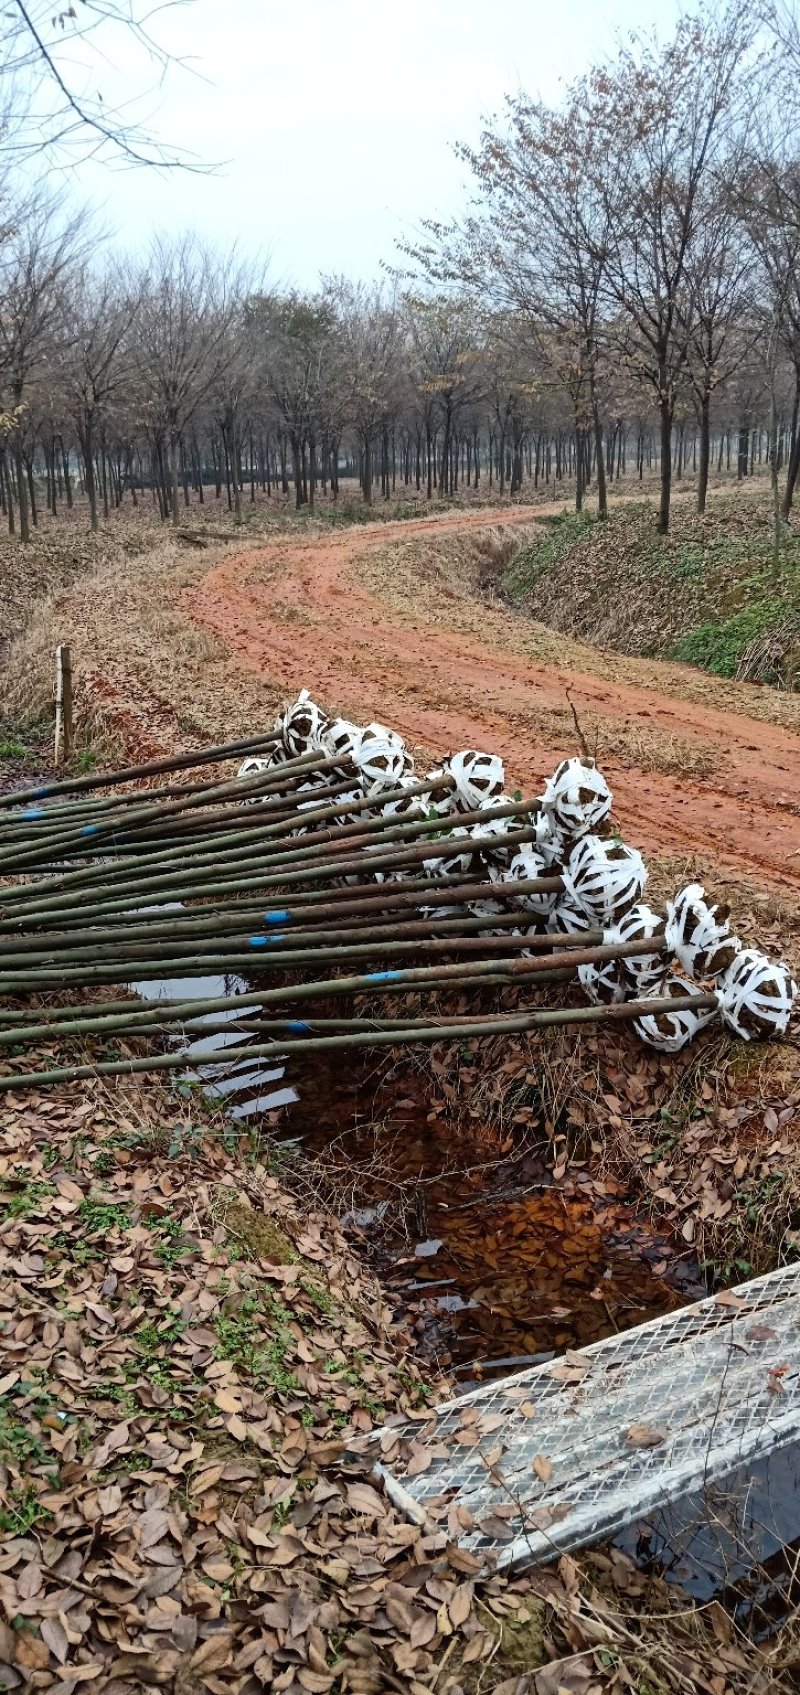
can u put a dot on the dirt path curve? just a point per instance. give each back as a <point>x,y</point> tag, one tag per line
<point>297,613</point>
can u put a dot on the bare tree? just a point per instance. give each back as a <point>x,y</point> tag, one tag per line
<point>371,334</point>
<point>722,328</point>
<point>39,247</point>
<point>537,248</point>
<point>663,117</point>
<point>98,367</point>
<point>188,297</point>
<point>53,59</point>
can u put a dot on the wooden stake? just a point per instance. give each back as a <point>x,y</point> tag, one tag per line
<point>59,706</point>
<point>66,702</point>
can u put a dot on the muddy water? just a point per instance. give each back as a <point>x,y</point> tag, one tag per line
<point>492,1263</point>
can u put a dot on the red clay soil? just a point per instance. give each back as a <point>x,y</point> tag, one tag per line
<point>296,613</point>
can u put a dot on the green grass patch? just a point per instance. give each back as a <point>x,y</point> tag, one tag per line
<point>100,1217</point>
<point>563,531</point>
<point>718,646</point>
<point>23,1511</point>
<point>23,1202</point>
<point>256,1338</point>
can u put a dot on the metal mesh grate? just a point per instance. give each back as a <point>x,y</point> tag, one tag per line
<point>626,1425</point>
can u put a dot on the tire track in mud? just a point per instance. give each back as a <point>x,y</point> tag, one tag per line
<point>296,612</point>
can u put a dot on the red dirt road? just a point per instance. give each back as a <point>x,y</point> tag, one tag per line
<point>297,613</point>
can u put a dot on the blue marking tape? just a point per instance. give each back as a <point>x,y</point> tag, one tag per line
<point>32,813</point>
<point>280,917</point>
<point>298,1028</point>
<point>90,829</point>
<point>384,976</point>
<point>263,941</point>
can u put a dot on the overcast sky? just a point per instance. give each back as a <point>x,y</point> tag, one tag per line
<point>334,120</point>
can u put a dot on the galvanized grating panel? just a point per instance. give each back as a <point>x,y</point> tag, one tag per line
<point>720,1380</point>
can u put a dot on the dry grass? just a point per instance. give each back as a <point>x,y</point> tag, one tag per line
<point>123,625</point>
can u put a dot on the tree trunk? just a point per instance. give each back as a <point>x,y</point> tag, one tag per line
<point>31,490</point>
<point>173,471</point>
<point>237,480</point>
<point>666,462</point>
<point>793,466</point>
<point>705,451</point>
<point>366,469</point>
<point>297,472</point>
<point>67,477</point>
<point>22,493</point>
<point>444,474</point>
<point>12,528</point>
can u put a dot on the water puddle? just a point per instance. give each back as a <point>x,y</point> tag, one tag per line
<point>738,1541</point>
<point>495,1267</point>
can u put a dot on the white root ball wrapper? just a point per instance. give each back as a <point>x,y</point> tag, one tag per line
<point>605,878</point>
<point>478,778</point>
<point>407,807</point>
<point>382,760</point>
<point>454,862</point>
<point>698,933</point>
<point>756,995</point>
<point>341,740</point>
<point>668,1031</point>
<point>301,725</point>
<point>577,797</point>
<point>250,768</point>
<point>526,865</point>
<point>602,983</point>
<point>567,919</point>
<point>491,834</point>
<point>642,972</point>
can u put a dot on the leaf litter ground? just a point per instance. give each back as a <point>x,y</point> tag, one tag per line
<point>189,1363</point>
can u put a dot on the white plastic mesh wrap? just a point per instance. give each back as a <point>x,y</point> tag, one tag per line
<point>577,797</point>
<point>341,740</point>
<point>442,801</point>
<point>479,777</point>
<point>408,807</point>
<point>642,972</point>
<point>604,877</point>
<point>491,834</point>
<point>381,760</point>
<point>699,933</point>
<point>250,768</point>
<point>670,1031</point>
<point>301,725</point>
<point>756,995</point>
<point>602,983</point>
<point>568,919</point>
<point>525,865</point>
<point>455,863</point>
<point>487,909</point>
<point>348,811</point>
<point>313,801</point>
<point>551,843</point>
<point>256,762</point>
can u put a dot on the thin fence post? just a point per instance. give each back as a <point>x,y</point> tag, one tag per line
<point>64,727</point>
